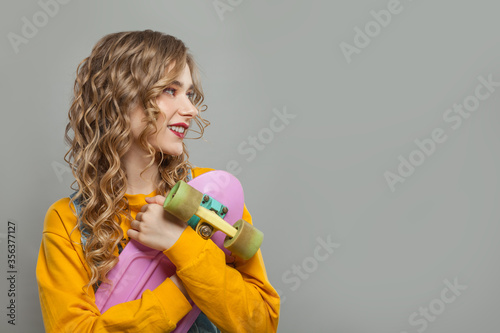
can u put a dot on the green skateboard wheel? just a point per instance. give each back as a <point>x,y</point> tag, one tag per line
<point>183,201</point>
<point>246,242</point>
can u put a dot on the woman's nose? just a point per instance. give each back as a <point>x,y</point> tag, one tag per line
<point>188,109</point>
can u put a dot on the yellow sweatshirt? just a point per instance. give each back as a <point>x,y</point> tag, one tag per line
<point>239,299</point>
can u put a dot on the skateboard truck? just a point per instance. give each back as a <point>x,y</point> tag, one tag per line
<point>205,214</point>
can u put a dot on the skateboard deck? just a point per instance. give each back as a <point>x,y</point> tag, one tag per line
<point>141,268</point>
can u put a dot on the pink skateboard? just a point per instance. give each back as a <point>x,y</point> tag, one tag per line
<point>212,204</point>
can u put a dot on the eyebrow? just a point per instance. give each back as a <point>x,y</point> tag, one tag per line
<point>180,84</point>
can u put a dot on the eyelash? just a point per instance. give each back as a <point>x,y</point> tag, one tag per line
<point>190,95</point>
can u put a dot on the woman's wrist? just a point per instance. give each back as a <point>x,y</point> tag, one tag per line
<point>173,235</point>
<point>177,281</point>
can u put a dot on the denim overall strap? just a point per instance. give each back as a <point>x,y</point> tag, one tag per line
<point>203,325</point>
<point>78,207</point>
<point>189,175</point>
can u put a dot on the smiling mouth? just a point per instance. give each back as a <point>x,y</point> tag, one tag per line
<point>177,129</point>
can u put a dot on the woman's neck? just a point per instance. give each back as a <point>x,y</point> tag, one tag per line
<point>133,163</point>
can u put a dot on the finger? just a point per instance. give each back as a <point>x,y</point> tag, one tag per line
<point>157,199</point>
<point>138,217</point>
<point>133,234</point>
<point>136,225</point>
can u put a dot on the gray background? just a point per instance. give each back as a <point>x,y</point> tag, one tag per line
<point>323,174</point>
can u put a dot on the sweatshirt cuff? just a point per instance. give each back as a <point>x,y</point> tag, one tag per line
<point>186,249</point>
<point>173,301</point>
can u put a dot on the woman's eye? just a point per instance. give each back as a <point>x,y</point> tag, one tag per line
<point>170,91</point>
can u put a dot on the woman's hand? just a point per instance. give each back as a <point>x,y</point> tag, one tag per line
<point>155,227</point>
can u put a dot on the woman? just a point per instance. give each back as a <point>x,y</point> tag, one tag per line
<point>135,97</point>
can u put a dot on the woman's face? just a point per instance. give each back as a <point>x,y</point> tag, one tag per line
<point>177,111</point>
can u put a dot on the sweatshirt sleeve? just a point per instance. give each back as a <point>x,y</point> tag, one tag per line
<point>62,274</point>
<point>239,299</point>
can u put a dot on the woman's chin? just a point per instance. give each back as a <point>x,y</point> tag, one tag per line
<point>172,150</point>
<point>175,152</point>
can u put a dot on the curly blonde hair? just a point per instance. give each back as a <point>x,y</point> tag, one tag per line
<point>123,71</point>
